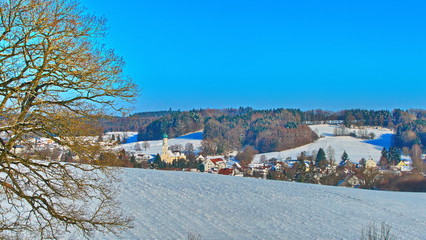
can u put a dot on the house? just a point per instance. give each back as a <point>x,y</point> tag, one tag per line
<point>280,166</point>
<point>289,163</point>
<point>214,163</point>
<point>346,164</point>
<point>143,157</point>
<point>200,158</point>
<point>208,165</point>
<point>370,163</point>
<point>261,171</point>
<point>350,181</point>
<point>219,163</point>
<point>404,166</point>
<point>239,170</point>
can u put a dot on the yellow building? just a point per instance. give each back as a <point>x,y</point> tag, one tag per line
<point>370,163</point>
<point>167,155</point>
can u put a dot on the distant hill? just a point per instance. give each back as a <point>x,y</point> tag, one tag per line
<point>133,123</point>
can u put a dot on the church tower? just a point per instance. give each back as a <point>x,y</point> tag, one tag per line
<point>165,144</point>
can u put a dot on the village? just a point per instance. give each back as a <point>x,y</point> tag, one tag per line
<point>307,166</point>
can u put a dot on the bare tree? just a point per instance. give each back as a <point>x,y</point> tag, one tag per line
<point>146,145</point>
<point>189,148</point>
<point>372,232</point>
<point>263,159</point>
<point>138,147</point>
<point>176,148</point>
<point>331,155</point>
<point>208,147</point>
<point>416,158</point>
<point>246,156</point>
<point>56,80</point>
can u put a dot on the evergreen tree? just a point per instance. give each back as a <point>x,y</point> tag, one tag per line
<point>394,155</point>
<point>300,170</point>
<point>319,160</point>
<point>383,162</point>
<point>362,162</point>
<point>157,163</point>
<point>344,158</point>
<point>384,153</point>
<point>133,161</point>
<point>200,167</point>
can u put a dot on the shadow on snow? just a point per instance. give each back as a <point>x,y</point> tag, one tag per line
<point>192,136</point>
<point>384,141</point>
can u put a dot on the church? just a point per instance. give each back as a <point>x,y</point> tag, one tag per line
<point>167,155</point>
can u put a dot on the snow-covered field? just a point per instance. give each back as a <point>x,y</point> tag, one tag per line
<point>167,205</point>
<point>156,146</point>
<point>355,147</point>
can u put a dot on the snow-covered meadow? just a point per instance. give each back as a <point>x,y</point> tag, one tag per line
<point>156,146</point>
<point>355,147</point>
<point>168,205</point>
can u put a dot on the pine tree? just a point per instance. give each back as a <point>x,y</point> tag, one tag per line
<point>320,158</point>
<point>383,162</point>
<point>394,155</point>
<point>133,161</point>
<point>200,167</point>
<point>384,153</point>
<point>344,158</point>
<point>157,163</point>
<point>300,170</point>
<point>362,162</point>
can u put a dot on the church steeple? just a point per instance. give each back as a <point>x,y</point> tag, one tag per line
<point>167,155</point>
<point>165,144</point>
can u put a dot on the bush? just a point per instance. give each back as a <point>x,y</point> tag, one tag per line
<point>372,232</point>
<point>194,236</point>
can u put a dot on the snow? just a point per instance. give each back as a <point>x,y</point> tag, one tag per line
<point>355,147</point>
<point>156,146</point>
<point>168,205</point>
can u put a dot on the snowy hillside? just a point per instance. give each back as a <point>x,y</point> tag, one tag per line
<point>155,146</point>
<point>167,205</point>
<point>355,147</point>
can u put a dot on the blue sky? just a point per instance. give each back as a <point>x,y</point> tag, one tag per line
<point>306,54</point>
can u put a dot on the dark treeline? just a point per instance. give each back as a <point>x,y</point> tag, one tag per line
<point>266,130</point>
<point>175,124</point>
<point>132,123</point>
